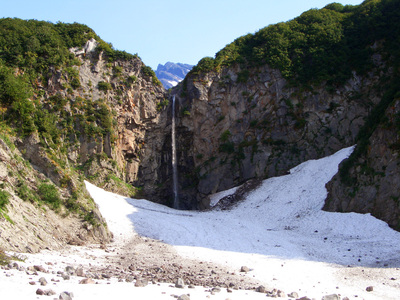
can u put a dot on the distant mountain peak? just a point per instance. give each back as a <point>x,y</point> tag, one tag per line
<point>170,74</point>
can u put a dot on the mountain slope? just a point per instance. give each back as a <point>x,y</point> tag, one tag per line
<point>171,74</point>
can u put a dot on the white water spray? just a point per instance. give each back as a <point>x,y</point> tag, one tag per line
<point>174,159</point>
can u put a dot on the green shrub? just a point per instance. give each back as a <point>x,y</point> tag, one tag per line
<point>148,71</point>
<point>243,76</point>
<point>104,86</point>
<point>227,147</point>
<point>49,194</point>
<point>25,193</point>
<point>4,199</point>
<point>225,136</point>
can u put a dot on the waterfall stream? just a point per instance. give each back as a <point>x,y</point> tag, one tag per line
<point>174,159</point>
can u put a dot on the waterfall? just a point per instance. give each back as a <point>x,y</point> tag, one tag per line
<point>174,159</point>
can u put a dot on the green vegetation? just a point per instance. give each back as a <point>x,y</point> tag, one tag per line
<point>148,72</point>
<point>104,86</point>
<point>49,194</point>
<point>4,199</point>
<point>162,104</point>
<point>320,45</point>
<point>375,118</point>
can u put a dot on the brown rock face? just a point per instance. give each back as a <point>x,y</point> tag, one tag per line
<point>375,175</point>
<point>231,130</point>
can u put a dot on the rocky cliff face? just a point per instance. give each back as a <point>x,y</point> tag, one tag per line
<point>111,123</point>
<point>137,103</point>
<point>237,124</point>
<point>27,225</point>
<point>375,175</point>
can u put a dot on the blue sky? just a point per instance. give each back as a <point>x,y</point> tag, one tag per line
<point>160,30</point>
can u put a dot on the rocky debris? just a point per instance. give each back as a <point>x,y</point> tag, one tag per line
<point>261,289</point>
<point>184,297</point>
<point>293,295</point>
<point>79,272</point>
<point>331,297</point>
<point>230,201</point>
<point>49,292</point>
<point>369,289</point>
<point>65,276</point>
<point>39,269</point>
<point>141,282</point>
<point>87,281</point>
<point>244,269</point>
<point>66,296</point>
<point>43,281</point>
<point>180,283</point>
<point>70,270</point>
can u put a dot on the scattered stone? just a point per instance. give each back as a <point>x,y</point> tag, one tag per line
<point>369,289</point>
<point>129,279</point>
<point>49,292</point>
<point>331,297</point>
<point>261,289</point>
<point>79,272</point>
<point>141,282</point>
<point>87,281</point>
<point>281,294</point>
<point>216,290</point>
<point>39,292</point>
<point>65,296</point>
<point>65,276</point>
<point>244,269</point>
<point>184,297</point>
<point>43,281</point>
<point>39,269</point>
<point>70,270</point>
<point>180,284</point>
<point>304,298</point>
<point>32,283</point>
<point>228,290</point>
<point>293,295</point>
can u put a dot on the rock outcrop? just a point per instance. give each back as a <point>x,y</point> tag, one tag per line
<point>374,176</point>
<point>26,226</point>
<point>233,127</point>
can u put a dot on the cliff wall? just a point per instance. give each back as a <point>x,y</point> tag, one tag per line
<point>238,124</point>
